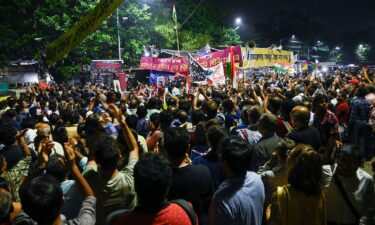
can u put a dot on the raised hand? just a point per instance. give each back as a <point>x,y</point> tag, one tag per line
<point>69,153</point>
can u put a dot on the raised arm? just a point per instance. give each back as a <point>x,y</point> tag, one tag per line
<point>80,180</point>
<point>128,135</point>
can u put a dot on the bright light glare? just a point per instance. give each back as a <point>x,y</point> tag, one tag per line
<point>337,48</point>
<point>238,21</point>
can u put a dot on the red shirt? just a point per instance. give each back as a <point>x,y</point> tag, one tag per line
<point>171,215</point>
<point>342,112</point>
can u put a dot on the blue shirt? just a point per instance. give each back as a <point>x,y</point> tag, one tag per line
<point>238,201</point>
<point>360,109</point>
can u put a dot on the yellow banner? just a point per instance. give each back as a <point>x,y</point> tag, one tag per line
<point>75,35</point>
<point>265,57</point>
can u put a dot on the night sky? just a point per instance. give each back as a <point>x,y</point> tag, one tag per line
<point>339,15</point>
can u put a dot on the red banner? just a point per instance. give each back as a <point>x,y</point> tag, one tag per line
<point>181,65</point>
<point>122,79</point>
<point>174,65</point>
<point>216,58</point>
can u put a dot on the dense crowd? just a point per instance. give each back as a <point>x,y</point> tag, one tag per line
<point>276,150</point>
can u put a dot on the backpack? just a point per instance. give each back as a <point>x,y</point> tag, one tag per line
<point>111,218</point>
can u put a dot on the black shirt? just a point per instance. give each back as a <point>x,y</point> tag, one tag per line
<point>262,151</point>
<point>193,184</point>
<point>308,135</point>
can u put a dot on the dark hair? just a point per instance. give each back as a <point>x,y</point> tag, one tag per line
<point>92,125</point>
<point>176,142</point>
<point>200,134</point>
<point>132,121</point>
<point>10,113</point>
<point>228,105</point>
<point>197,116</point>
<point>141,112</point>
<point>152,103</point>
<point>60,135</point>
<point>4,183</point>
<point>184,105</point>
<point>214,135</point>
<point>286,107</point>
<point>19,108</point>
<point>72,117</point>
<point>305,169</point>
<point>254,113</point>
<point>268,121</point>
<point>166,118</point>
<point>28,122</point>
<point>56,167</point>
<point>41,199</point>
<point>152,179</point>
<point>361,91</point>
<point>8,134</point>
<point>53,118</point>
<point>155,119</point>
<point>236,153</point>
<point>107,153</point>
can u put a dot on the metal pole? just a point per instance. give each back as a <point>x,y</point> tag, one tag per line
<point>308,49</point>
<point>118,36</point>
<point>178,42</point>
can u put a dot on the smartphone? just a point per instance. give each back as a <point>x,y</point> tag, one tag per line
<point>166,90</point>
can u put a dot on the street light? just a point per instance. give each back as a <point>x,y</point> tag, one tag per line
<point>238,21</point>
<point>292,37</point>
<point>360,46</point>
<point>337,48</point>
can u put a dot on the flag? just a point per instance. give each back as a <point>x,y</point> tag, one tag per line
<point>231,69</point>
<point>205,51</point>
<point>198,74</point>
<point>281,67</point>
<point>174,15</point>
<point>213,75</point>
<point>217,76</point>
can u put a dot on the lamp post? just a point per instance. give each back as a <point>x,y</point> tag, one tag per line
<point>118,35</point>
<point>287,38</point>
<point>118,32</point>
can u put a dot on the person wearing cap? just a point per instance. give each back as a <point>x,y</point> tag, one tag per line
<point>350,194</point>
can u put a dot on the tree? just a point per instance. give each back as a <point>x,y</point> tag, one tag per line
<point>231,37</point>
<point>148,23</point>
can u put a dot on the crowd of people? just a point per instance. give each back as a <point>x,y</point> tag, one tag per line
<point>276,150</point>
